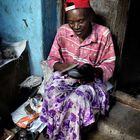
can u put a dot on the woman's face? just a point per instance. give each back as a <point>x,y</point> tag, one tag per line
<point>79,22</point>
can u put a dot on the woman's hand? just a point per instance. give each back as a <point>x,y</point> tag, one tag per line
<point>61,66</point>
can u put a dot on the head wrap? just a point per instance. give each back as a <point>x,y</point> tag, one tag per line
<point>74,4</point>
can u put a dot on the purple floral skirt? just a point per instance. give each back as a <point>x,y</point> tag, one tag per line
<point>67,107</point>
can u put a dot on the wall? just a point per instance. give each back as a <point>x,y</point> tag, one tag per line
<point>32,20</point>
<point>114,14</point>
<point>49,20</point>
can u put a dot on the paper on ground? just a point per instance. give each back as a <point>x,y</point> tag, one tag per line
<point>36,125</point>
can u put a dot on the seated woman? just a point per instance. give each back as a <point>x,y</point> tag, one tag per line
<point>72,98</point>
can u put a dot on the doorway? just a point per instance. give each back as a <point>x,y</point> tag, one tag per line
<point>129,75</point>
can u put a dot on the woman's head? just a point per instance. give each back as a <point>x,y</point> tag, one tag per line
<point>79,16</point>
<point>80,21</point>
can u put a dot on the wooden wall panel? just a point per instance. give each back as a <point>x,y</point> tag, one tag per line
<point>114,14</point>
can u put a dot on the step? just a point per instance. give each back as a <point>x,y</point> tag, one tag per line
<point>127,99</point>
